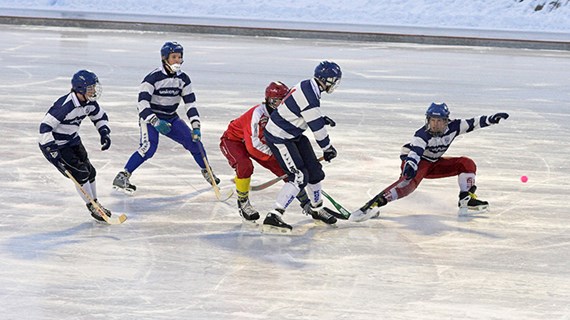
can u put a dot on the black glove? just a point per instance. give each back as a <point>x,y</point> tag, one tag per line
<point>497,117</point>
<point>105,138</point>
<point>52,153</point>
<point>410,169</point>
<point>329,154</point>
<point>329,121</point>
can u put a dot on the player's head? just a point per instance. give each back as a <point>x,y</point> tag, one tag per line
<point>172,54</point>
<point>437,118</point>
<point>274,94</point>
<point>87,84</point>
<point>328,75</point>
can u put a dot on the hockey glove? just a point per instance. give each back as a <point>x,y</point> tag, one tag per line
<point>329,154</point>
<point>105,138</point>
<point>329,121</point>
<point>196,134</point>
<point>410,170</point>
<point>497,117</point>
<point>160,125</point>
<point>52,153</point>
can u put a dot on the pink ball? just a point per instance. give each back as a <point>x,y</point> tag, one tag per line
<point>524,179</point>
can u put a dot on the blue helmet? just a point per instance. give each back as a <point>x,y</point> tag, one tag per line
<point>170,47</point>
<point>86,83</point>
<point>328,75</point>
<point>439,111</point>
<point>436,110</point>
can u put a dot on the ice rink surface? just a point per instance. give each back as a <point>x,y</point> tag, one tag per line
<point>184,255</point>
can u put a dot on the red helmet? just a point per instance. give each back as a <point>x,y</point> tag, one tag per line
<point>274,93</point>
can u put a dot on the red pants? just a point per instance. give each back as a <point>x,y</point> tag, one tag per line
<point>240,159</point>
<point>442,168</point>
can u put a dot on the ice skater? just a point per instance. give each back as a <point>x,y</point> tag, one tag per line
<point>161,93</point>
<point>60,141</point>
<point>300,111</point>
<point>422,158</point>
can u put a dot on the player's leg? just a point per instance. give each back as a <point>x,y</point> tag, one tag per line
<point>148,144</point>
<point>316,175</point>
<point>238,158</point>
<point>181,133</point>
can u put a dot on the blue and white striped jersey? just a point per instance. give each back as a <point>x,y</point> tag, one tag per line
<point>160,94</point>
<point>428,147</point>
<point>61,122</point>
<point>299,110</point>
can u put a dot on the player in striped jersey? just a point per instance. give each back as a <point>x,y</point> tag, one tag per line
<point>59,139</point>
<point>423,158</point>
<point>161,93</point>
<point>300,110</point>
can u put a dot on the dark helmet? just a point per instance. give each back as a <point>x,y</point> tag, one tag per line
<point>170,47</point>
<point>440,111</point>
<point>436,110</point>
<point>328,74</point>
<point>86,83</point>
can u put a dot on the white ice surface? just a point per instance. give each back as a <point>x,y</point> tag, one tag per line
<point>184,255</point>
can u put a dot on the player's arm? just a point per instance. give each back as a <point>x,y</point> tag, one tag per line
<point>100,119</point>
<point>189,100</point>
<point>253,135</point>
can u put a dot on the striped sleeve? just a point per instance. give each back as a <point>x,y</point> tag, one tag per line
<point>145,95</point>
<point>189,99</point>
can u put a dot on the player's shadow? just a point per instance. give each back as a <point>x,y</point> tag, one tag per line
<point>39,245</point>
<point>429,224</point>
<point>287,251</point>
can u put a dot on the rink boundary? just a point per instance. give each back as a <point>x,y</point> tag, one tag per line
<point>361,33</point>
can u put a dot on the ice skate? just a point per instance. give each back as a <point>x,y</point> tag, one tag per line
<point>246,211</point>
<point>273,223</point>
<point>370,210</point>
<point>95,213</point>
<point>121,182</point>
<point>468,203</point>
<point>319,213</point>
<point>206,176</point>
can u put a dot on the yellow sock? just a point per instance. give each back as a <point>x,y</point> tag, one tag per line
<point>242,188</point>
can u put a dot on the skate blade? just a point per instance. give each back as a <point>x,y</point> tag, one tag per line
<point>249,223</point>
<point>321,223</point>
<point>359,216</point>
<point>269,229</point>
<point>127,191</point>
<point>473,210</point>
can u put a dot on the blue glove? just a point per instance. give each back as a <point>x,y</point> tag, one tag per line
<point>329,121</point>
<point>410,169</point>
<point>329,154</point>
<point>196,134</point>
<point>160,125</point>
<point>52,153</point>
<point>497,117</point>
<point>105,138</point>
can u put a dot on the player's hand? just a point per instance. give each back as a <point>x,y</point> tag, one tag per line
<point>410,169</point>
<point>329,154</point>
<point>104,131</point>
<point>160,125</point>
<point>497,117</point>
<point>196,135</point>
<point>329,121</point>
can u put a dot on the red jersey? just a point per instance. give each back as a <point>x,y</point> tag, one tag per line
<point>248,128</point>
